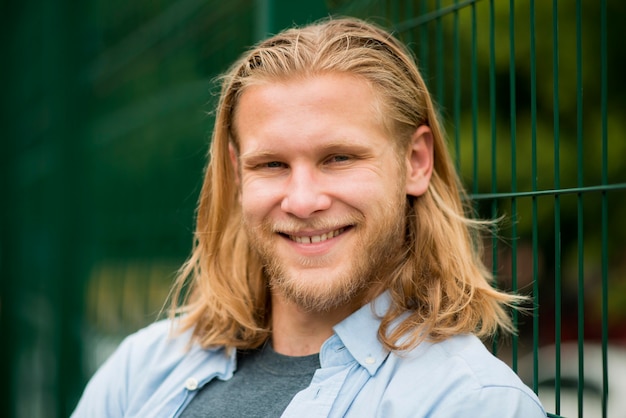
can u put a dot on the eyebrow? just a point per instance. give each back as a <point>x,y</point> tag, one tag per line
<point>329,148</point>
<point>257,155</point>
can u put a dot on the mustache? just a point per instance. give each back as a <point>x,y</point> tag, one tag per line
<point>314,224</point>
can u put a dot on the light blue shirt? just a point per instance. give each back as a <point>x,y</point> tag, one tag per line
<point>154,375</point>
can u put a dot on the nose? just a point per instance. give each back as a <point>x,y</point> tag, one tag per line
<point>305,193</point>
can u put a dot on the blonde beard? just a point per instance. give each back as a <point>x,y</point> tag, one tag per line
<point>380,243</point>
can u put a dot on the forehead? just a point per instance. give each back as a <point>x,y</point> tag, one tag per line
<point>329,106</point>
<point>289,103</point>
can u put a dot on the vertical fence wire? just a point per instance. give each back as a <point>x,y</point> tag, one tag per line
<point>423,45</point>
<point>457,89</point>
<point>439,58</point>
<point>580,208</point>
<point>605,205</point>
<point>513,116</point>
<point>557,209</point>
<point>474,75</point>
<point>494,159</point>
<point>535,227</point>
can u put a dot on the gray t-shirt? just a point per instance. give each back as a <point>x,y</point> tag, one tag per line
<point>263,385</point>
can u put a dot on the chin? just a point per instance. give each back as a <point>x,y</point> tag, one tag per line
<point>311,292</point>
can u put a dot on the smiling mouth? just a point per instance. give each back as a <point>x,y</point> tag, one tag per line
<point>312,239</point>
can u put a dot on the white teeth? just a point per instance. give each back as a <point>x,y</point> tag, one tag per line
<point>316,238</point>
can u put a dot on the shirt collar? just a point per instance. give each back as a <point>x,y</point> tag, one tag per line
<point>359,333</point>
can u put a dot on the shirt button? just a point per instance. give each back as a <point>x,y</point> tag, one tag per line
<point>191,384</point>
<point>370,360</point>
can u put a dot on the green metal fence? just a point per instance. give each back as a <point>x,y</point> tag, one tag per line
<point>105,128</point>
<point>509,78</point>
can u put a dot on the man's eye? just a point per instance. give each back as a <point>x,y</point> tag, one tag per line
<point>274,164</point>
<point>338,158</point>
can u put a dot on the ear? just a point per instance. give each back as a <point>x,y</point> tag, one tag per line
<point>420,161</point>
<point>234,162</point>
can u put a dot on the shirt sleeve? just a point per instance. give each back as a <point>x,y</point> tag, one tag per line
<point>106,394</point>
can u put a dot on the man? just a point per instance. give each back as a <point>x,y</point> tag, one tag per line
<point>334,271</point>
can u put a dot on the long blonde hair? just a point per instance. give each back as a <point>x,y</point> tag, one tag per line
<point>439,285</point>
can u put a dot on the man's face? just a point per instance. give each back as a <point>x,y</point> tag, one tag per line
<point>322,189</point>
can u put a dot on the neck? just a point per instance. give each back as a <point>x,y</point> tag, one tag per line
<point>296,332</point>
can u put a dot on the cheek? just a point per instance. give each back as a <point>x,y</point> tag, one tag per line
<point>257,198</point>
<point>369,188</point>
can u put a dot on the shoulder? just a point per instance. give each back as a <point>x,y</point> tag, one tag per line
<point>459,375</point>
<point>158,342</point>
<point>144,362</point>
<point>466,355</point>
<point>459,356</point>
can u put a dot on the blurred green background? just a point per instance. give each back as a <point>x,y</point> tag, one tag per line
<point>106,119</point>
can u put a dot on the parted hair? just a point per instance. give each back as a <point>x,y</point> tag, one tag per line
<point>438,285</point>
